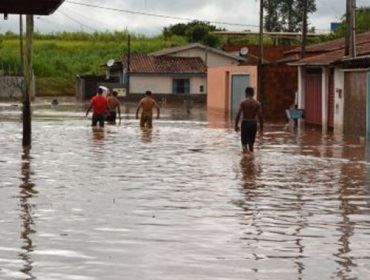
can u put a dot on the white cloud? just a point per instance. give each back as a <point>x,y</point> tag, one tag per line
<point>73,17</point>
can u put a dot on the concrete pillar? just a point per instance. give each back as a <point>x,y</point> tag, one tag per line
<point>338,101</point>
<point>325,98</point>
<point>301,87</point>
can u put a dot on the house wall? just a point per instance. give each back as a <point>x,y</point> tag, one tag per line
<point>212,59</point>
<point>338,100</point>
<point>162,84</point>
<point>219,87</point>
<point>280,86</point>
<point>355,88</point>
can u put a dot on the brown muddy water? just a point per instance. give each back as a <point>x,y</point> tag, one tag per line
<point>179,202</point>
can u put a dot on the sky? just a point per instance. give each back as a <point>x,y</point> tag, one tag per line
<point>73,17</point>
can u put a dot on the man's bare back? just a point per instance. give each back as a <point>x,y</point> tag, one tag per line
<point>147,104</point>
<point>250,108</point>
<point>113,103</point>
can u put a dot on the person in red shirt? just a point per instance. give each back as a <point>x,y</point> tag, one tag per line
<point>99,104</point>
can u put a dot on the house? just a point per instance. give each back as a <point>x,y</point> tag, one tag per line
<point>226,86</point>
<point>176,74</point>
<point>170,77</point>
<point>331,93</point>
<point>279,81</point>
<point>212,57</point>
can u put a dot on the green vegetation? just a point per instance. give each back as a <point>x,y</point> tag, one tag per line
<point>194,32</point>
<point>362,23</point>
<point>58,58</point>
<point>286,15</point>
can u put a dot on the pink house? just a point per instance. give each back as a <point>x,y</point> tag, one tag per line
<point>226,86</point>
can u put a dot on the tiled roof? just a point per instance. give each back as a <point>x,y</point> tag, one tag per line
<point>333,45</point>
<point>170,51</point>
<point>143,63</point>
<point>331,57</point>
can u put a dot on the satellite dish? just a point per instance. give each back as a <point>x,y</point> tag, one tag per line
<point>244,51</point>
<point>110,62</point>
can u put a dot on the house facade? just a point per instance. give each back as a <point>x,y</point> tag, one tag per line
<point>178,73</point>
<point>227,87</point>
<point>171,78</point>
<point>333,94</point>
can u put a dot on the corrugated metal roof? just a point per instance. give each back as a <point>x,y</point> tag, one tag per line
<point>143,63</point>
<point>31,7</point>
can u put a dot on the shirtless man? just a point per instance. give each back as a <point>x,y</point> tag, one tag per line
<point>251,109</point>
<point>147,104</point>
<point>113,108</point>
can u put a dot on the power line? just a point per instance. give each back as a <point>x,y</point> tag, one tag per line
<point>78,22</point>
<point>159,15</point>
<point>80,16</point>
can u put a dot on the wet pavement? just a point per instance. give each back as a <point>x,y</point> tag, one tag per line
<point>180,201</point>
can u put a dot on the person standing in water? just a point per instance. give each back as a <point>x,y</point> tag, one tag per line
<point>113,107</point>
<point>251,110</point>
<point>147,104</point>
<point>99,104</point>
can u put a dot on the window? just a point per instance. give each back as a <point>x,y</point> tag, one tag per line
<point>181,86</point>
<point>201,89</point>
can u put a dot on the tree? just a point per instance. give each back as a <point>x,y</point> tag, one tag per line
<point>195,31</point>
<point>362,22</point>
<point>285,15</point>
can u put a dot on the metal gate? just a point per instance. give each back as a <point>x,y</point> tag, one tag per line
<point>331,100</point>
<point>239,83</point>
<point>313,99</point>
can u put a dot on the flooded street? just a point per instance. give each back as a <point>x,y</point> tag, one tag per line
<point>179,202</point>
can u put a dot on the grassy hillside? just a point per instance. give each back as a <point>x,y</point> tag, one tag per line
<point>58,58</point>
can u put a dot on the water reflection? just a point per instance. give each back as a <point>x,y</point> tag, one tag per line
<point>27,192</point>
<point>146,135</point>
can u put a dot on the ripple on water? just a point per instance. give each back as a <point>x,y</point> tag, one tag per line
<point>180,202</point>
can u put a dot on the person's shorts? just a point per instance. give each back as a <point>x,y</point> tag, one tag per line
<point>98,118</point>
<point>248,132</point>
<point>111,117</point>
<point>146,120</point>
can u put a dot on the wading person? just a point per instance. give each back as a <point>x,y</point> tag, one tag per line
<point>251,110</point>
<point>147,104</point>
<point>99,105</point>
<point>114,107</point>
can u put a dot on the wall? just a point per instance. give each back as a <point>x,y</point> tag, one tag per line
<point>213,59</point>
<point>355,88</point>
<point>338,100</point>
<point>10,87</point>
<point>280,87</point>
<point>218,81</point>
<point>162,84</point>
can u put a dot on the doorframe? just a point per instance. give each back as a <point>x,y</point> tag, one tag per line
<point>231,75</point>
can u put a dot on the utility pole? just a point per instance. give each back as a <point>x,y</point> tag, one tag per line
<point>304,28</point>
<point>128,62</point>
<point>21,43</point>
<point>28,73</point>
<point>350,45</point>
<point>260,59</point>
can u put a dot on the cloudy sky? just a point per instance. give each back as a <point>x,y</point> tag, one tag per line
<point>73,17</point>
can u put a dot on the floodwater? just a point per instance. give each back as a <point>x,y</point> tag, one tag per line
<point>180,201</point>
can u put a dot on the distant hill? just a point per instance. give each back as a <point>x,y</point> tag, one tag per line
<point>58,58</point>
